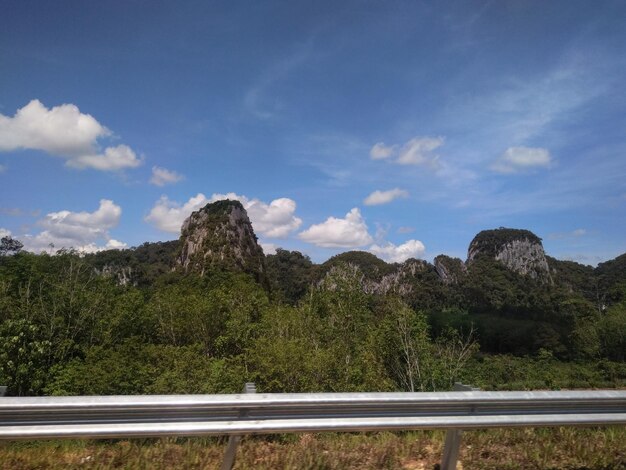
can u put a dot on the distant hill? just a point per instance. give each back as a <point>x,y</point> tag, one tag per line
<point>611,276</point>
<point>139,266</point>
<point>506,269</point>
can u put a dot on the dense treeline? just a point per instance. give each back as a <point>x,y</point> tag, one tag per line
<point>68,330</point>
<point>69,326</point>
<point>580,315</point>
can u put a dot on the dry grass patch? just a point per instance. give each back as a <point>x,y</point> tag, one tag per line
<point>550,448</point>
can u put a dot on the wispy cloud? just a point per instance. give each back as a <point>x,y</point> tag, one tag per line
<point>385,197</point>
<point>418,151</point>
<point>582,258</point>
<point>522,159</point>
<point>380,151</point>
<point>576,185</point>
<point>520,111</point>
<point>261,99</point>
<point>11,211</point>
<point>577,233</point>
<point>163,176</point>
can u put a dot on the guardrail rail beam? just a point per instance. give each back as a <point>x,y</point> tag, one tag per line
<point>128,416</point>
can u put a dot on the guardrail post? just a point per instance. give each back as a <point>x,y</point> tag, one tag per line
<point>233,441</point>
<point>3,390</point>
<point>453,436</point>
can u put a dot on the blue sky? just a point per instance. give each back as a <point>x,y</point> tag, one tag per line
<point>402,128</point>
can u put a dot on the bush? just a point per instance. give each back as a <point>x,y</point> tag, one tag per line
<point>136,368</point>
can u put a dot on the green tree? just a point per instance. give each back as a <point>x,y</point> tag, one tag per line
<point>220,312</point>
<point>612,332</point>
<point>418,363</point>
<point>10,246</point>
<point>23,357</point>
<point>290,274</point>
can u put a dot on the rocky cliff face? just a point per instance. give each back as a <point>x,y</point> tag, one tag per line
<point>220,236</point>
<point>123,275</point>
<point>450,270</point>
<point>398,279</point>
<point>401,281</point>
<point>520,251</point>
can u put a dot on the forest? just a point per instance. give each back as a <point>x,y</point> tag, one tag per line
<point>130,322</point>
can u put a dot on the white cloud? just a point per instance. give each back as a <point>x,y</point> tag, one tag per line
<point>113,158</point>
<point>405,229</point>
<point>381,151</point>
<point>169,215</point>
<point>520,159</point>
<point>62,130</point>
<point>274,220</point>
<point>162,176</point>
<point>419,151</point>
<point>384,197</point>
<point>350,232</point>
<point>113,244</point>
<point>4,232</point>
<point>79,230</point>
<point>269,248</point>
<point>399,253</point>
<point>65,132</point>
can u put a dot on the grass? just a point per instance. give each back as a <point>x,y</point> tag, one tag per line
<point>544,448</point>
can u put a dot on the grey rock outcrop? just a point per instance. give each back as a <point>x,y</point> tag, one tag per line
<point>123,275</point>
<point>525,257</point>
<point>521,251</point>
<point>450,270</point>
<point>220,236</point>
<point>398,282</point>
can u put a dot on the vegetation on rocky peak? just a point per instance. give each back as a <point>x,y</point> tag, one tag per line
<point>220,236</point>
<point>450,270</point>
<point>290,274</point>
<point>612,280</point>
<point>142,265</point>
<point>490,242</point>
<point>372,266</point>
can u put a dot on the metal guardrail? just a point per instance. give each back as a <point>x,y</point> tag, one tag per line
<point>252,413</point>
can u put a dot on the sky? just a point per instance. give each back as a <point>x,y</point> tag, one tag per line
<point>402,128</point>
